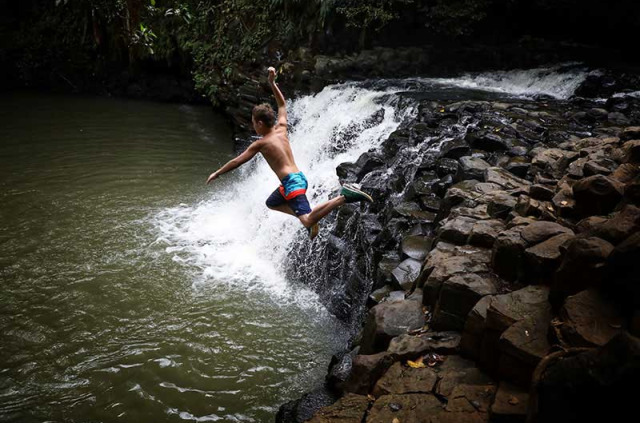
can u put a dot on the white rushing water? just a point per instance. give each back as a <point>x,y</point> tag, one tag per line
<point>560,81</point>
<point>232,237</point>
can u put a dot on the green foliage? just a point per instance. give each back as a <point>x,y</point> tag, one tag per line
<point>455,17</point>
<point>370,14</point>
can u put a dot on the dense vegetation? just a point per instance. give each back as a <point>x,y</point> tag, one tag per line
<point>68,42</point>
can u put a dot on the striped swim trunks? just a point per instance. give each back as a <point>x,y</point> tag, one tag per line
<point>293,193</point>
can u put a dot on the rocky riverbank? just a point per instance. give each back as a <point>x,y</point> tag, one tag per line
<point>504,251</point>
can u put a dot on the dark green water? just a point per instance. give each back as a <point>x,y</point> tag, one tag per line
<point>98,320</point>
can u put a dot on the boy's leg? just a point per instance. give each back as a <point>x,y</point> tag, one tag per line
<point>321,211</point>
<point>284,208</point>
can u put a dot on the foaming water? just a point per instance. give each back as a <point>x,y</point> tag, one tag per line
<point>559,81</point>
<point>232,238</point>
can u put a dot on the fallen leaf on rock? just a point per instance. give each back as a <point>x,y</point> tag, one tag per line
<point>418,364</point>
<point>564,202</point>
<point>395,420</point>
<point>371,397</point>
<point>514,401</point>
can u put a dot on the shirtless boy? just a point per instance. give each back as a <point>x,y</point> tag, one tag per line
<point>290,196</point>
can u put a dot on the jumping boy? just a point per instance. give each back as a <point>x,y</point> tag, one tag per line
<point>274,145</point>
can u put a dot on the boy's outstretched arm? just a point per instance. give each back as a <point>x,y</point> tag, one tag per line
<point>234,163</point>
<point>282,105</point>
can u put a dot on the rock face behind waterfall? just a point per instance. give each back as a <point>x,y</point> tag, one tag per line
<point>499,266</point>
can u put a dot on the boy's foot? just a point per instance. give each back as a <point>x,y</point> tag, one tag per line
<point>313,231</point>
<point>352,194</point>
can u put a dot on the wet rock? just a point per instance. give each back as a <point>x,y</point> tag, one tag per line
<point>410,347</point>
<point>413,211</point>
<point>600,167</point>
<point>509,247</point>
<point>527,206</point>
<point>349,409</point>
<point>505,310</point>
<point>406,273</point>
<point>416,246</point>
<point>500,204</point>
<point>563,201</point>
<point>505,179</point>
<point>618,228</point>
<point>446,167</point>
<point>408,408</point>
<point>596,385</point>
<point>588,224</point>
<point>523,345</point>
<point>507,254</point>
<point>510,404</point>
<point>400,379</point>
<point>631,151</point>
<point>379,294</point>
<point>542,260</point>
<point>447,260</point>
<point>423,184</point>
<point>519,166</point>
<point>458,295</point>
<point>303,409</point>
<point>541,192</point>
<point>553,161</point>
<point>485,232</point>
<point>385,267</point>
<point>630,133</point>
<point>366,370</point>
<point>388,320</point>
<point>472,168</point>
<point>457,230</point>
<point>626,172</point>
<point>471,340</point>
<point>582,267</point>
<point>589,320</point>
<point>454,149</point>
<point>471,399</point>
<point>597,195</point>
<point>487,141</point>
<point>455,371</point>
<point>540,231</point>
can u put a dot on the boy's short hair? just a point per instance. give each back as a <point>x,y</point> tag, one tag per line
<point>265,114</point>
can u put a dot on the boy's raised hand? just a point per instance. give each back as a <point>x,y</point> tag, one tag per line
<point>272,74</point>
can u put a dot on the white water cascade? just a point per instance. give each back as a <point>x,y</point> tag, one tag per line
<point>232,237</point>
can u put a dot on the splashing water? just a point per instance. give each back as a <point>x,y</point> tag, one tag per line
<point>233,238</point>
<point>560,81</point>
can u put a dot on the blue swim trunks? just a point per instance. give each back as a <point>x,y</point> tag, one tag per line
<point>293,193</point>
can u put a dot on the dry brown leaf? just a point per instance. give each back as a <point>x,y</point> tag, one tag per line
<point>418,364</point>
<point>395,420</point>
<point>514,401</point>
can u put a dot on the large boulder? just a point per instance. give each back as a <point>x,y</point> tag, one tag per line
<point>620,226</point>
<point>505,179</point>
<point>523,345</point>
<point>542,260</point>
<point>349,409</point>
<point>366,370</point>
<point>589,320</point>
<point>416,246</point>
<point>458,295</point>
<point>408,408</point>
<point>410,347</point>
<point>582,267</point>
<point>472,167</point>
<point>505,310</point>
<point>400,379</point>
<point>406,273</point>
<point>597,195</point>
<point>388,320</point>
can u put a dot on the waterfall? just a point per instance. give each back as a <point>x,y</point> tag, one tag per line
<point>232,238</point>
